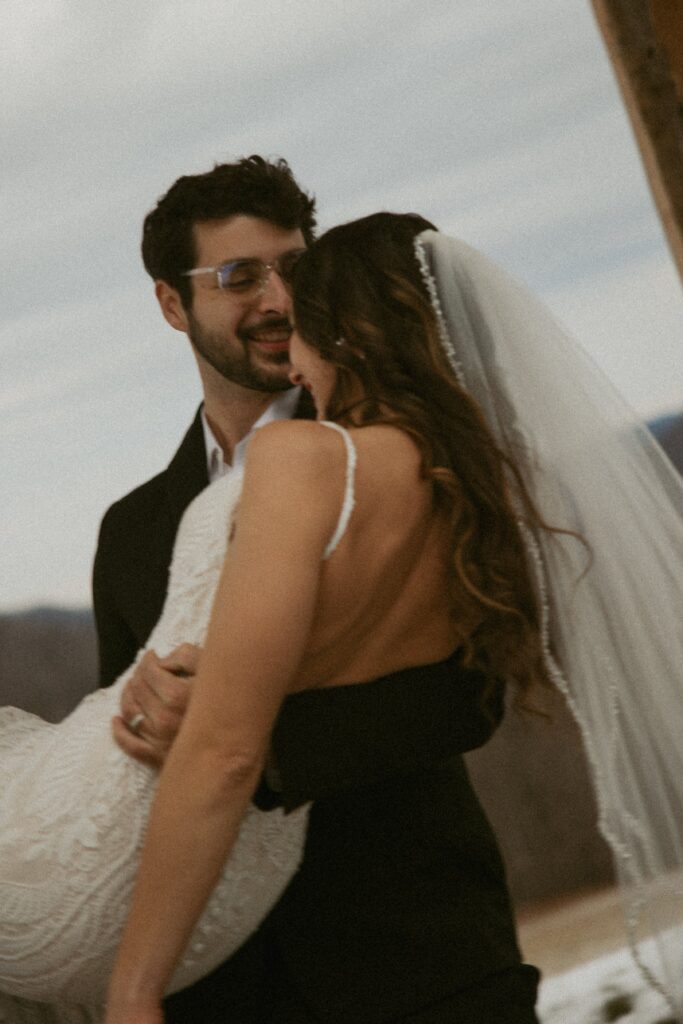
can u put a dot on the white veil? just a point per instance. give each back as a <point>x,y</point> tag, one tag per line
<point>614,635</point>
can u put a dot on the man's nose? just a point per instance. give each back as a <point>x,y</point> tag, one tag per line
<point>274,296</point>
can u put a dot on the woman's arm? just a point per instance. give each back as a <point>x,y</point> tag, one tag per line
<point>257,636</point>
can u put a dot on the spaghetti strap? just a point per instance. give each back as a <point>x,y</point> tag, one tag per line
<point>349,496</point>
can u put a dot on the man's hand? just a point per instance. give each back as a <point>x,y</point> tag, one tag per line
<point>153,704</point>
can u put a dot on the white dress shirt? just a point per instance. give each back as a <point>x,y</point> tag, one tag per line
<point>282,408</point>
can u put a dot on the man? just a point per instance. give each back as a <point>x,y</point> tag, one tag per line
<point>220,248</point>
<point>250,208</point>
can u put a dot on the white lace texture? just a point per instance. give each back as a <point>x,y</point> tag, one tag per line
<point>73,812</point>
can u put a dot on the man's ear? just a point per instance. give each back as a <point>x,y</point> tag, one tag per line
<point>171,306</point>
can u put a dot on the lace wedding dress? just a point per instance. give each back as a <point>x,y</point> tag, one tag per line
<point>73,810</point>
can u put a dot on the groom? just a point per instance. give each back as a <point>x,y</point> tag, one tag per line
<point>293,969</point>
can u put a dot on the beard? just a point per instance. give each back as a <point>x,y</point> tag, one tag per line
<point>239,362</point>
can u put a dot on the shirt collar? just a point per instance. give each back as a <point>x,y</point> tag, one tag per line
<point>282,408</point>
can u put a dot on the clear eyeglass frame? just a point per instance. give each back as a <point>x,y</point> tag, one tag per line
<point>256,273</point>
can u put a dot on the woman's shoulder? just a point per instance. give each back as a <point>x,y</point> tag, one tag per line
<point>312,451</point>
<point>298,440</point>
<point>294,477</point>
<point>295,453</point>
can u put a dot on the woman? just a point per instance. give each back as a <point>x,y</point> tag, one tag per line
<point>413,577</point>
<point>438,552</point>
<point>442,548</point>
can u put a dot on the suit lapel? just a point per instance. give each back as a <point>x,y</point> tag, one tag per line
<point>184,478</point>
<point>187,472</point>
<point>187,475</point>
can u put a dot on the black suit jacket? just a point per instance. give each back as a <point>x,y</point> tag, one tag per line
<point>353,749</point>
<point>133,556</point>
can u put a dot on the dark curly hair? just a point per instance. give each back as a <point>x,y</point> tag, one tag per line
<point>361,282</point>
<point>251,186</point>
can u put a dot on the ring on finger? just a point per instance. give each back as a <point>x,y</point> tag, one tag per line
<point>135,722</point>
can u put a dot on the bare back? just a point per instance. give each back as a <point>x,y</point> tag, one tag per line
<point>383,596</point>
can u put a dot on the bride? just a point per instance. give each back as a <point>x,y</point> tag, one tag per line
<point>454,500</point>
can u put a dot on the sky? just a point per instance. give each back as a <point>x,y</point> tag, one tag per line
<point>499,120</point>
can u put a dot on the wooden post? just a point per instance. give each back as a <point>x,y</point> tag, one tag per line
<point>644,39</point>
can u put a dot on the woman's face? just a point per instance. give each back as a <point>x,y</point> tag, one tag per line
<point>312,372</point>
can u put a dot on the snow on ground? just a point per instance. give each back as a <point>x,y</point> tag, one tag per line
<point>608,989</point>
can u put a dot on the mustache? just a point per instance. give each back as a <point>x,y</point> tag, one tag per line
<point>278,323</point>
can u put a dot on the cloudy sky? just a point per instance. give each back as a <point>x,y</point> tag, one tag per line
<point>497,119</point>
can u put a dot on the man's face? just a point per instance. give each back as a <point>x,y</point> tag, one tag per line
<point>246,341</point>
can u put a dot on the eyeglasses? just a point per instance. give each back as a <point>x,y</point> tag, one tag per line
<point>248,278</point>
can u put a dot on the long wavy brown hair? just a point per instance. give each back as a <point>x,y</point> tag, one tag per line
<point>360,301</point>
